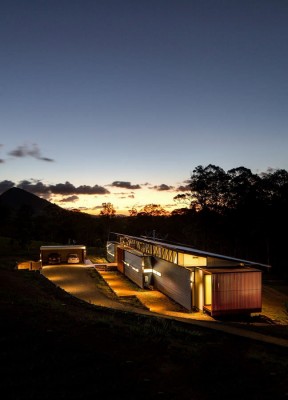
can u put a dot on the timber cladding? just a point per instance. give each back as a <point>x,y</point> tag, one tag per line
<point>235,291</point>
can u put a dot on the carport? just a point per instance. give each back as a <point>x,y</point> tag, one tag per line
<point>63,251</point>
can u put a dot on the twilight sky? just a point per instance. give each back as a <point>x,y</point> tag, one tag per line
<point>119,100</point>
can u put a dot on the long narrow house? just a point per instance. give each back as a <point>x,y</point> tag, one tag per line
<point>195,279</point>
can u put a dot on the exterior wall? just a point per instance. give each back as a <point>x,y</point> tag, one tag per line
<point>236,292</point>
<point>30,265</point>
<point>111,251</point>
<point>198,295</point>
<point>148,271</point>
<point>174,281</point>
<point>220,262</point>
<point>133,267</point>
<point>63,251</point>
<point>189,260</point>
<point>204,282</point>
<point>120,259</point>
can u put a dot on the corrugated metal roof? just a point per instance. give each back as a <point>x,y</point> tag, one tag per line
<point>190,250</point>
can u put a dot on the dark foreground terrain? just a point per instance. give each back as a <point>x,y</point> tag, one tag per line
<point>54,346</point>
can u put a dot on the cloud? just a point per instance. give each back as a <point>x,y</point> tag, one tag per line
<point>1,159</point>
<point>40,189</point>
<point>182,188</point>
<point>163,186</point>
<point>123,195</point>
<point>68,188</point>
<point>5,185</point>
<point>34,186</point>
<point>69,199</point>
<point>25,150</point>
<point>124,185</point>
<point>45,159</point>
<point>63,188</point>
<point>83,189</point>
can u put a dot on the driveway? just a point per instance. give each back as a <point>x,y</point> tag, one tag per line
<point>78,281</point>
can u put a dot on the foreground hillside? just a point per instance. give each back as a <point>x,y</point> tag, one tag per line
<point>54,346</point>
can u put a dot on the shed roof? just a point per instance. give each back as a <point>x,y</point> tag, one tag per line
<point>190,250</point>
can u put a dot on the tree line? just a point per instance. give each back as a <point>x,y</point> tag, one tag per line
<point>235,213</point>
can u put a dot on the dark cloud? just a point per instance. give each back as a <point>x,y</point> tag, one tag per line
<point>40,189</point>
<point>46,159</point>
<point>5,185</point>
<point>125,196</point>
<point>162,187</point>
<point>83,189</point>
<point>34,186</point>
<point>125,185</point>
<point>19,152</point>
<point>69,199</point>
<point>63,188</point>
<point>68,188</point>
<point>1,159</point>
<point>25,150</point>
<point>185,188</point>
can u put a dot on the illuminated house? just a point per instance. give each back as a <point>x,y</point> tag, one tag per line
<point>195,279</point>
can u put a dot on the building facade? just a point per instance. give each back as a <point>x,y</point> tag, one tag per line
<point>197,280</point>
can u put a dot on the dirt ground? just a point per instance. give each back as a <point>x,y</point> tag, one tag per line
<point>55,346</point>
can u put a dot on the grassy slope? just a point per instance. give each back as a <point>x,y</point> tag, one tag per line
<point>54,346</point>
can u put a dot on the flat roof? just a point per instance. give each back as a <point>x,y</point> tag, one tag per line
<point>64,247</point>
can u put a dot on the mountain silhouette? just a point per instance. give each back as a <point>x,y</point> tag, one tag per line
<point>16,198</point>
<point>25,217</point>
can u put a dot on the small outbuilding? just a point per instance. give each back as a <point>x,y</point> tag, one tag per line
<point>63,252</point>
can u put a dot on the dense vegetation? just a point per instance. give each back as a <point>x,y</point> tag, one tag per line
<point>236,213</point>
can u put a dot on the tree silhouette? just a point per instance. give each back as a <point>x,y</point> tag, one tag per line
<point>108,210</point>
<point>153,210</point>
<point>107,213</point>
<point>208,184</point>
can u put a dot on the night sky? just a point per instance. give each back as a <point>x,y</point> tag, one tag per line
<point>119,101</point>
